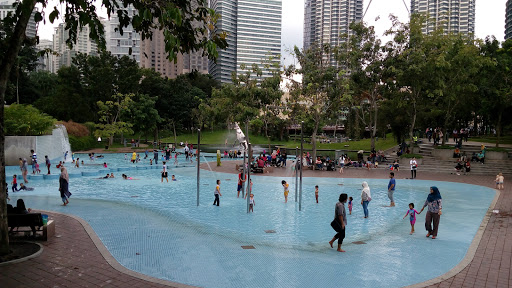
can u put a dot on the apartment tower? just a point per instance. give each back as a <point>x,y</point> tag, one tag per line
<point>254,36</point>
<point>453,16</point>
<point>508,20</point>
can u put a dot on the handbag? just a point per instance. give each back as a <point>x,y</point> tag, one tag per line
<point>336,226</point>
<point>67,193</point>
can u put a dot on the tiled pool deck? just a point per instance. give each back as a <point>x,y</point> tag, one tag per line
<point>77,258</point>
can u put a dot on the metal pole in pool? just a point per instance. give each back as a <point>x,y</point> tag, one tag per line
<point>296,174</point>
<point>243,176</point>
<point>301,164</point>
<point>249,177</point>
<point>198,161</point>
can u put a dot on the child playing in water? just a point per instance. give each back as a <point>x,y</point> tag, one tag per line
<point>412,216</point>
<point>316,193</point>
<point>499,181</point>
<point>37,168</point>
<point>251,203</point>
<point>350,205</point>
<point>285,185</point>
<point>23,187</point>
<point>104,164</point>
<point>77,165</point>
<point>173,178</point>
<point>14,184</point>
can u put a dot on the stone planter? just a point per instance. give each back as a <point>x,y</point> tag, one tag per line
<point>415,150</point>
<point>443,154</point>
<point>494,155</point>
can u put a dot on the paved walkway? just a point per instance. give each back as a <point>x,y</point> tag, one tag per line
<point>76,258</point>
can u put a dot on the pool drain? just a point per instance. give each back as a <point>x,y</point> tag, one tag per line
<point>270,231</point>
<point>359,242</point>
<point>248,247</point>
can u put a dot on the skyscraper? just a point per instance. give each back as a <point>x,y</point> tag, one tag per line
<point>254,35</point>
<point>326,20</point>
<point>453,16</point>
<point>83,44</point>
<point>508,20</point>
<point>120,45</point>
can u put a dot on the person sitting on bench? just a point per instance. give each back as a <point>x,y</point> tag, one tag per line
<point>319,164</point>
<point>21,209</point>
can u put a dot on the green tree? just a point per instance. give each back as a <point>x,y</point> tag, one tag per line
<point>142,114</point>
<point>318,95</point>
<point>364,56</point>
<point>68,101</point>
<point>110,116</point>
<point>23,120</point>
<point>496,83</point>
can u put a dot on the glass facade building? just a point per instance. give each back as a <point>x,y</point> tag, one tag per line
<point>325,21</point>
<point>254,35</point>
<point>453,16</point>
<point>508,20</point>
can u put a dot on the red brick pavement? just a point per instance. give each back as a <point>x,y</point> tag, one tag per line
<point>72,259</point>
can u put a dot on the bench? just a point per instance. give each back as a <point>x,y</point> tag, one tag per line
<point>31,219</point>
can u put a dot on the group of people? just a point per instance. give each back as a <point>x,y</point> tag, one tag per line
<point>433,204</point>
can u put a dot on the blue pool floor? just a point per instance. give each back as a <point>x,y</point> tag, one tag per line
<point>157,229</point>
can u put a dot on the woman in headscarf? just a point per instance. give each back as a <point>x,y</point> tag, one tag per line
<point>24,170</point>
<point>64,185</point>
<point>366,197</point>
<point>434,212</point>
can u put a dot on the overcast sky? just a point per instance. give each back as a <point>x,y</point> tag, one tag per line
<point>490,19</point>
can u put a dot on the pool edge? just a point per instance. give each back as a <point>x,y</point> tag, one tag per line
<point>470,253</point>
<point>112,261</point>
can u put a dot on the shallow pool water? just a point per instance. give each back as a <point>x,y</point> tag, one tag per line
<point>156,228</point>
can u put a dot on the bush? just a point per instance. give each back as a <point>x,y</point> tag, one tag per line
<point>26,120</point>
<point>410,156</point>
<point>75,129</point>
<point>444,147</point>
<point>82,143</point>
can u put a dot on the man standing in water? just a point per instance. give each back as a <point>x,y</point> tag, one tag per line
<point>155,156</point>
<point>391,188</point>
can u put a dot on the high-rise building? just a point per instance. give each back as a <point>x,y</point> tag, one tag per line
<point>154,56</point>
<point>508,21</point>
<point>120,45</point>
<point>65,54</point>
<point>453,16</point>
<point>326,20</point>
<point>45,62</point>
<point>6,7</point>
<point>254,36</point>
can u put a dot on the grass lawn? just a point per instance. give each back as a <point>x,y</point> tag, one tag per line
<point>220,136</point>
<point>491,139</point>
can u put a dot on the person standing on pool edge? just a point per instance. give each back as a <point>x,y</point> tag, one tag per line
<point>340,221</point>
<point>217,193</point>
<point>434,212</point>
<point>391,189</point>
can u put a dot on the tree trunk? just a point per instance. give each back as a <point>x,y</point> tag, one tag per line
<point>498,129</point>
<point>175,138</point>
<point>374,129</point>
<point>413,122</point>
<point>313,142</point>
<point>8,59</point>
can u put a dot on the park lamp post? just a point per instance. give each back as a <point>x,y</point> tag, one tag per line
<point>296,174</point>
<point>198,161</point>
<point>301,164</point>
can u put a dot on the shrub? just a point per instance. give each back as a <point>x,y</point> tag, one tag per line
<point>25,120</point>
<point>444,147</point>
<point>75,129</point>
<point>82,143</point>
